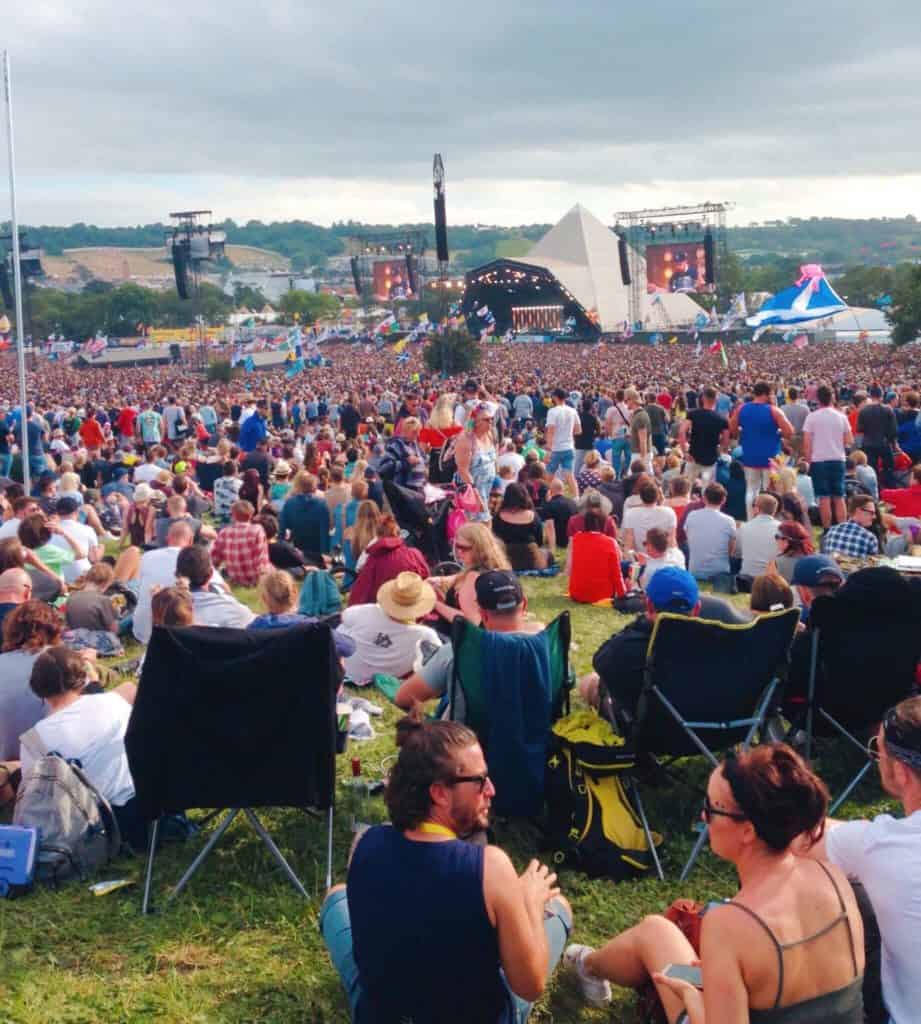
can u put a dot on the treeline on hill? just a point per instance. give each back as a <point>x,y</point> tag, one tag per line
<point>834,241</point>
<point>118,311</point>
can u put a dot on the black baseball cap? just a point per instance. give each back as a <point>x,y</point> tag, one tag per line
<point>498,591</point>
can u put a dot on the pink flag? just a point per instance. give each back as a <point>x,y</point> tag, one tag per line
<point>800,341</point>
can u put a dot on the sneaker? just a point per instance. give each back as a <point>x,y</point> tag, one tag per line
<point>597,991</point>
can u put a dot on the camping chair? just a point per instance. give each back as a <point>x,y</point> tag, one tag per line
<point>511,688</point>
<point>707,687</point>
<point>221,721</point>
<point>862,661</point>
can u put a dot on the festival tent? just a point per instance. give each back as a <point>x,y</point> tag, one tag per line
<point>581,257</point>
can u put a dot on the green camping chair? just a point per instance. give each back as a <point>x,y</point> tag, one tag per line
<point>510,688</point>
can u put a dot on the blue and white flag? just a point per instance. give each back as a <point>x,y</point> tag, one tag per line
<point>811,298</point>
<point>701,320</point>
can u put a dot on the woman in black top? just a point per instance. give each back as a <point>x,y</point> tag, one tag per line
<point>591,428</point>
<point>528,542</point>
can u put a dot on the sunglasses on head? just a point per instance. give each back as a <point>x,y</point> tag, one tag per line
<point>898,744</point>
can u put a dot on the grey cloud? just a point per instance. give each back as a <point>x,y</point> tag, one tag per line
<point>592,93</point>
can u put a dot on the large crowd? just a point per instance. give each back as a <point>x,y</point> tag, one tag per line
<point>652,478</point>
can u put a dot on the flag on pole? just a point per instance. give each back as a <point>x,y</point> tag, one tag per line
<point>723,356</point>
<point>800,341</point>
<point>673,340</point>
<point>810,298</point>
<point>401,344</point>
<point>715,346</point>
<point>249,365</point>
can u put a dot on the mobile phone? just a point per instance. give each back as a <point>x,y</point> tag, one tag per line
<point>692,975</point>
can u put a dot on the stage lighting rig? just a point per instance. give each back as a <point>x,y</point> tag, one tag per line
<point>190,243</point>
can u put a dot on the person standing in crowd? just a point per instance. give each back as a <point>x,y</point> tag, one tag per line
<point>826,438</point>
<point>475,456</point>
<point>879,431</point>
<point>175,422</point>
<point>762,425</point>
<point>658,420</point>
<point>702,435</point>
<point>563,425</point>
<point>796,411</point>
<point>617,429</point>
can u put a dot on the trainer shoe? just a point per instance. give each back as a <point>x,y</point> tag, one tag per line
<point>597,991</point>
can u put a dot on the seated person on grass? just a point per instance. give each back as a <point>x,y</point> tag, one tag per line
<point>884,856</point>
<point>414,885</point>
<point>788,947</point>
<point>502,607</point>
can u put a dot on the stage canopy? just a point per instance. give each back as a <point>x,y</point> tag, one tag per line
<point>572,273</point>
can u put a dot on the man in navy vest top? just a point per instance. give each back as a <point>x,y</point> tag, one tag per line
<point>430,928</point>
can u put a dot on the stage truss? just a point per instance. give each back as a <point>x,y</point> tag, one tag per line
<point>366,248</point>
<point>669,223</point>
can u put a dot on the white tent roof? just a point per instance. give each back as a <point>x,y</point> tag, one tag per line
<point>582,254</point>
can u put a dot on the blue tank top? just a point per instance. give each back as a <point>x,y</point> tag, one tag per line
<point>423,942</point>
<point>760,436</point>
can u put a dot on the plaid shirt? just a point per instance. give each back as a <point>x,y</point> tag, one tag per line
<point>243,551</point>
<point>850,539</point>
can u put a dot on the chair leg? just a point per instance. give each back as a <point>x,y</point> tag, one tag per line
<point>276,853</point>
<point>148,878</point>
<point>329,850</point>
<point>203,853</point>
<point>640,810</point>
<point>851,787</point>
<point>695,853</point>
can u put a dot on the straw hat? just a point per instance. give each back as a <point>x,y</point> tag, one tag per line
<point>406,597</point>
<point>282,469</point>
<point>143,492</point>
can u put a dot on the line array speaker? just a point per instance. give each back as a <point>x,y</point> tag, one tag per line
<point>709,262</point>
<point>411,274</point>
<point>356,276</point>
<point>624,260</point>
<point>181,269</point>
<point>441,229</point>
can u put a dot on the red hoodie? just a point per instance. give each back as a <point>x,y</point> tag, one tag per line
<point>387,558</point>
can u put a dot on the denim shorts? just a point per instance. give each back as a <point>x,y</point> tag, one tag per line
<point>562,460</point>
<point>828,478</point>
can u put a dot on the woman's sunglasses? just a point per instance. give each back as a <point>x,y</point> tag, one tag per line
<point>710,812</point>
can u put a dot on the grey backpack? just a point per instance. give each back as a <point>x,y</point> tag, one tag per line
<point>77,831</point>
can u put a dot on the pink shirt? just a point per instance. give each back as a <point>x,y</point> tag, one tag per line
<point>828,428</point>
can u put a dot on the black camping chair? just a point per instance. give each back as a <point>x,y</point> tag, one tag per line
<point>708,686</point>
<point>863,656</point>
<point>425,524</point>
<point>221,721</point>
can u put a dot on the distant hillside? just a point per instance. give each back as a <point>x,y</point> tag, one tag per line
<point>834,241</point>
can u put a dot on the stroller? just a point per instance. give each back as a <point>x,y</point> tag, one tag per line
<point>426,525</point>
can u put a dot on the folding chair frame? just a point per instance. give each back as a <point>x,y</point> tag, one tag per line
<point>215,838</point>
<point>834,723</point>
<point>754,723</point>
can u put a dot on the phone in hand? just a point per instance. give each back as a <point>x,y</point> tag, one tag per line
<point>683,972</point>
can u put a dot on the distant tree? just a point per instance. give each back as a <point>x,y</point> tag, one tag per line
<point>308,306</point>
<point>245,295</point>
<point>905,312</point>
<point>452,352</point>
<point>220,370</point>
<point>862,286</point>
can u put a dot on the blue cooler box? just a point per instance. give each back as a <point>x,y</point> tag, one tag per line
<point>18,847</point>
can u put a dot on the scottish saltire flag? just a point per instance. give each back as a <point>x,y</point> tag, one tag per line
<point>701,320</point>
<point>403,357</point>
<point>248,364</point>
<point>811,298</point>
<point>655,338</point>
<point>295,368</point>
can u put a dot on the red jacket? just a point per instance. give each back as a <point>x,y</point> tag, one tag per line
<point>387,558</point>
<point>905,501</point>
<point>595,573</point>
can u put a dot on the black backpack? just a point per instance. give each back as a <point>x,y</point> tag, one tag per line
<point>591,824</point>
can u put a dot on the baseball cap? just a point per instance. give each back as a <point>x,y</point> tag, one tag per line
<point>814,570</point>
<point>498,591</point>
<point>673,590</point>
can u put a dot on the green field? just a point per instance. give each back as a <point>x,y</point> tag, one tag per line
<point>512,248</point>
<point>241,946</point>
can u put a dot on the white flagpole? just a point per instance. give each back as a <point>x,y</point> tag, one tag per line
<point>17,282</point>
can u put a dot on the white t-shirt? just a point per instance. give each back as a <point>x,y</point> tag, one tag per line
<point>85,536</point>
<point>673,557</point>
<point>827,427</point>
<point>158,568</point>
<point>563,419</point>
<point>146,473</point>
<point>641,518</point>
<point>10,528</point>
<point>885,856</point>
<point>755,542</point>
<point>92,729</point>
<point>709,532</point>
<point>381,644</point>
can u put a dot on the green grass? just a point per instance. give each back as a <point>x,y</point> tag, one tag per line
<point>240,946</point>
<point>512,248</point>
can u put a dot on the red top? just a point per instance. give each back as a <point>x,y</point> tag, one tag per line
<point>387,558</point>
<point>91,433</point>
<point>905,501</point>
<point>436,438</point>
<point>125,421</point>
<point>595,573</point>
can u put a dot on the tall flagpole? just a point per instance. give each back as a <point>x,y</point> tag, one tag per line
<point>17,282</point>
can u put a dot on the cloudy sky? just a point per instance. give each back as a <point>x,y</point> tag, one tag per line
<point>277,109</point>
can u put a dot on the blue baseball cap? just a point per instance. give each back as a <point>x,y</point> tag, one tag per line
<point>673,590</point>
<point>815,570</point>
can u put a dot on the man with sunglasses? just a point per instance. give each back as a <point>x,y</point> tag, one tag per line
<point>884,855</point>
<point>431,927</point>
<point>853,538</point>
